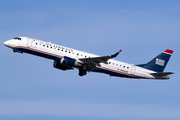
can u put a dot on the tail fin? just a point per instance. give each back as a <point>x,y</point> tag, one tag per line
<point>158,63</point>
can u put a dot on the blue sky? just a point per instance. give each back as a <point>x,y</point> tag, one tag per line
<point>30,88</point>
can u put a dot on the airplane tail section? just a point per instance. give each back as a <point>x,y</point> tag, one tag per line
<point>158,63</point>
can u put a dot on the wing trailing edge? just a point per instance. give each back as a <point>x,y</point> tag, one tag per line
<point>95,60</point>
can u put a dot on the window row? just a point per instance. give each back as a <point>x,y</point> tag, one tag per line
<point>63,50</point>
<point>79,54</point>
<point>119,65</point>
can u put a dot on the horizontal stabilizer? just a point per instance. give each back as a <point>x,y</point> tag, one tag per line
<point>161,74</point>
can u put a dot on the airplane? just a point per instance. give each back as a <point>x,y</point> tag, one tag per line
<point>67,58</point>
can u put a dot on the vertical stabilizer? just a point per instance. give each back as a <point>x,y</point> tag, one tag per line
<point>158,63</point>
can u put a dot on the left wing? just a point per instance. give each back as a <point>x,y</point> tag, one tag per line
<point>97,60</point>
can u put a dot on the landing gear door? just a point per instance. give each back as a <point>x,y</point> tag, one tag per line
<point>133,69</point>
<point>29,43</point>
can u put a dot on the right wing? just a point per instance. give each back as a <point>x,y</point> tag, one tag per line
<point>97,60</point>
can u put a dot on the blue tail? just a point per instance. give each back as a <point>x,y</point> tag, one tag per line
<point>158,63</point>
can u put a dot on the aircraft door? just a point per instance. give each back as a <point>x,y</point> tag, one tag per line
<point>29,43</point>
<point>133,69</point>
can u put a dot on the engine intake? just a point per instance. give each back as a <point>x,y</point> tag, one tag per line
<point>58,65</point>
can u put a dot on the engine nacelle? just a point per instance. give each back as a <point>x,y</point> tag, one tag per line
<point>15,50</point>
<point>58,65</point>
<point>70,62</point>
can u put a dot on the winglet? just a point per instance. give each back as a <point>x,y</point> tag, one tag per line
<point>167,51</point>
<point>114,55</point>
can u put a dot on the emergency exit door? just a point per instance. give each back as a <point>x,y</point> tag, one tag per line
<point>29,43</point>
<point>133,69</point>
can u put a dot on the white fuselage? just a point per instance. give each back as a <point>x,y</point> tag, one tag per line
<point>55,52</point>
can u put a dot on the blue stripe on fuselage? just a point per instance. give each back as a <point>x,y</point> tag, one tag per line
<point>38,53</point>
<point>58,58</point>
<point>112,73</point>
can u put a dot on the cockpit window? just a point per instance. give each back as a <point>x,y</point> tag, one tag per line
<point>17,38</point>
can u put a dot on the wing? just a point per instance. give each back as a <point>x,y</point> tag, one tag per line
<point>96,60</point>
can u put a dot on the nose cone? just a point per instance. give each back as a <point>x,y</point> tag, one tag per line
<point>6,43</point>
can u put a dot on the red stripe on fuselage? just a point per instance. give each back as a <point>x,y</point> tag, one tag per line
<point>119,72</point>
<point>61,57</point>
<point>37,51</point>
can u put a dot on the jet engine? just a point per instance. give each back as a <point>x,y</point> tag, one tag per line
<point>70,62</point>
<point>58,65</point>
<point>66,63</point>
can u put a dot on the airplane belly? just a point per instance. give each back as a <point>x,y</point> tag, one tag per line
<point>113,72</point>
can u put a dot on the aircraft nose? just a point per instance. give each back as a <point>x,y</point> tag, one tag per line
<point>6,43</point>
